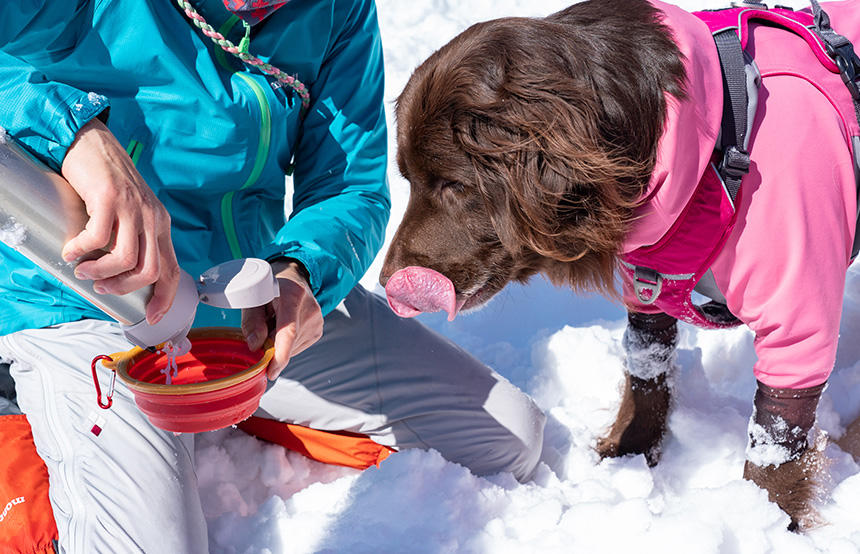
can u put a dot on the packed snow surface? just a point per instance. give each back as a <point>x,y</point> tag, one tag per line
<point>566,351</point>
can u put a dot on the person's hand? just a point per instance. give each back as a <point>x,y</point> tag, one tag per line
<point>126,220</point>
<point>293,320</point>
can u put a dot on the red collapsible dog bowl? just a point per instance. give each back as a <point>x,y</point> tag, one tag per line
<point>218,383</point>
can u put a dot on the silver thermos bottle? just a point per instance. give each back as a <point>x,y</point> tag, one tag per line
<point>40,212</point>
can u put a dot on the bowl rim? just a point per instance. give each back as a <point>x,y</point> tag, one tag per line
<point>122,361</point>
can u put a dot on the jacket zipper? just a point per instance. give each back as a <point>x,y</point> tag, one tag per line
<point>227,220</point>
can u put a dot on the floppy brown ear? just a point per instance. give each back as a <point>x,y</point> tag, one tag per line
<point>551,182</point>
<point>549,178</point>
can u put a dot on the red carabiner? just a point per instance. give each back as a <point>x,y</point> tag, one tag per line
<point>98,388</point>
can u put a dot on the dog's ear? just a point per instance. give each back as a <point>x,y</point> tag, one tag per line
<point>551,181</point>
<point>549,126</point>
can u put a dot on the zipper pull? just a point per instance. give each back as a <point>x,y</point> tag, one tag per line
<point>246,40</point>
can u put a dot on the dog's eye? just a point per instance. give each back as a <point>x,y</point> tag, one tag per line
<point>451,186</point>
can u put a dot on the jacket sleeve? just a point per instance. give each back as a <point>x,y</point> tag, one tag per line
<point>783,269</point>
<point>41,114</point>
<point>341,200</point>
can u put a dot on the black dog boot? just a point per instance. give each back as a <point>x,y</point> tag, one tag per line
<point>779,458</point>
<point>649,341</point>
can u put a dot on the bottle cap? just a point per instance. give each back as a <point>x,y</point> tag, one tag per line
<point>175,324</point>
<point>237,284</point>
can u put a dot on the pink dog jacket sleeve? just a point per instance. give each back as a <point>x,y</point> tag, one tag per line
<point>782,269</point>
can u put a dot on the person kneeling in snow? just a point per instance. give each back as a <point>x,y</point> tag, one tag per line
<point>210,140</point>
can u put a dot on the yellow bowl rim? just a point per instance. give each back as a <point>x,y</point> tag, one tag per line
<point>122,361</point>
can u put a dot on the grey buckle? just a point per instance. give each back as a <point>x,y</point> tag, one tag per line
<point>736,162</point>
<point>647,283</point>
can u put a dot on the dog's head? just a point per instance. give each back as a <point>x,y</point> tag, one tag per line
<point>526,152</point>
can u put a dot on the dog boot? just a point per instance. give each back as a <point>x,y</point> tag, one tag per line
<point>649,341</point>
<point>779,457</point>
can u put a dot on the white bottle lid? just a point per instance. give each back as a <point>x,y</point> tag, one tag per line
<point>237,284</point>
<point>175,324</point>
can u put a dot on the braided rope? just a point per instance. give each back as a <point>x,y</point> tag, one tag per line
<point>241,53</point>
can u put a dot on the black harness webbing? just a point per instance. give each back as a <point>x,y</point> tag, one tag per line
<point>736,160</point>
<point>842,52</point>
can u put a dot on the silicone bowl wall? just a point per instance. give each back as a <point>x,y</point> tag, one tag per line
<point>219,382</point>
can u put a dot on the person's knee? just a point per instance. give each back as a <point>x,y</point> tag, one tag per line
<point>518,440</point>
<point>530,444</point>
<point>442,397</point>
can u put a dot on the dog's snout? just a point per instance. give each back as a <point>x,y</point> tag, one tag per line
<point>394,259</point>
<point>389,267</point>
<point>384,276</point>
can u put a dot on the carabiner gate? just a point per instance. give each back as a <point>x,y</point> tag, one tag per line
<point>109,396</point>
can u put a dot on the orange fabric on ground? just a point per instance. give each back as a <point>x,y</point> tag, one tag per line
<point>330,447</point>
<point>26,520</point>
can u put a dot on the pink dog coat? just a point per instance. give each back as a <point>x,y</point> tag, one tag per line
<point>787,242</point>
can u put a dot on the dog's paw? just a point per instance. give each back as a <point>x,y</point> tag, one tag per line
<point>641,421</point>
<point>620,443</point>
<point>794,486</point>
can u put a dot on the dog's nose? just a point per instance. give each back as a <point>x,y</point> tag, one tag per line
<point>385,275</point>
<point>393,261</point>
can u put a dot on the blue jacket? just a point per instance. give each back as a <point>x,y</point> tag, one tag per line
<point>211,137</point>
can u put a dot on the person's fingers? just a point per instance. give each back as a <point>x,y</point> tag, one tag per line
<point>168,271</point>
<point>146,271</point>
<point>255,326</point>
<point>146,268</point>
<point>125,218</point>
<point>163,292</point>
<point>299,321</point>
<point>96,235</point>
<point>111,269</point>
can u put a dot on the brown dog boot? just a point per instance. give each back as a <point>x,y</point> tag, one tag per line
<point>641,421</point>
<point>779,458</point>
<point>850,441</point>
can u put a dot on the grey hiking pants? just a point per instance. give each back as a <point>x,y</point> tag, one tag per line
<point>133,487</point>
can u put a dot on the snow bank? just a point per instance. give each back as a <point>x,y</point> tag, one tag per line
<point>566,351</point>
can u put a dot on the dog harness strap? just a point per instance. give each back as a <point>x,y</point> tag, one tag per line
<point>842,52</point>
<point>736,160</point>
<point>663,276</point>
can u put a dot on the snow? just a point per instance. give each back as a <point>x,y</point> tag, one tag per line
<point>766,451</point>
<point>12,233</point>
<point>566,352</point>
<point>646,360</point>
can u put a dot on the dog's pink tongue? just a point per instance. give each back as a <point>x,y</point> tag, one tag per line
<point>414,290</point>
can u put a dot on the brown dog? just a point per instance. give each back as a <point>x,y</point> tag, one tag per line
<point>533,145</point>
